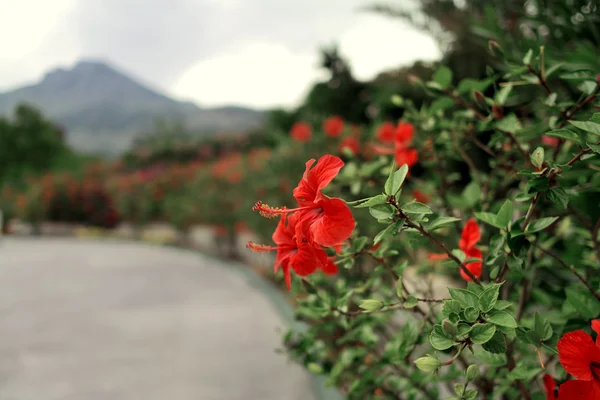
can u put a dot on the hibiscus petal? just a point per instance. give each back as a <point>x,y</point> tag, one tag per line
<point>596,328</point>
<point>304,261</point>
<point>470,235</point>
<point>334,225</point>
<point>282,234</point>
<point>287,276</point>
<point>317,178</point>
<point>550,386</point>
<point>571,390</point>
<point>330,268</point>
<point>576,351</point>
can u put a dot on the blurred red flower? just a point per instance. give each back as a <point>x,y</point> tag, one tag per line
<point>385,132</point>
<point>350,143</point>
<point>301,132</point>
<point>333,126</point>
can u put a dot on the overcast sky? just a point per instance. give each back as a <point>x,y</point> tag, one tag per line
<point>258,53</point>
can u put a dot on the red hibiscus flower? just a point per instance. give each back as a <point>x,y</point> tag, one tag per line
<point>385,132</point>
<point>403,154</point>
<point>350,143</point>
<point>295,252</point>
<point>469,238</point>
<point>580,357</point>
<point>550,141</point>
<point>329,220</point>
<point>333,126</point>
<point>550,387</point>
<point>301,132</point>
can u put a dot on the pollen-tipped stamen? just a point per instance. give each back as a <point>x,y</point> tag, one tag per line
<point>260,248</point>
<point>269,212</point>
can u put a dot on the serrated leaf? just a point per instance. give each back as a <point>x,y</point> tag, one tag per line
<point>451,306</point>
<point>443,76</point>
<point>464,297</point>
<point>411,301</point>
<point>502,304</point>
<point>595,147</point>
<point>482,333</point>
<point>488,218</point>
<point>510,123</point>
<point>542,327</point>
<point>504,216</point>
<point>373,201</point>
<point>540,224</point>
<point>583,301</point>
<point>416,208</point>
<point>395,180</point>
<point>440,222</point>
<point>502,318</point>
<point>471,314</point>
<point>488,299</point>
<point>381,235</point>
<point>496,345</point>
<point>588,126</point>
<point>382,211</point>
<point>528,57</point>
<point>564,134</point>
<point>558,195</point>
<point>439,340</point>
<point>502,94</point>
<point>537,157</point>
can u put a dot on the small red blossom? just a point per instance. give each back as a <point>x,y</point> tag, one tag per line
<point>333,126</point>
<point>301,132</point>
<point>580,357</point>
<point>350,143</point>
<point>420,196</point>
<point>469,238</point>
<point>403,153</point>
<point>550,141</point>
<point>385,132</point>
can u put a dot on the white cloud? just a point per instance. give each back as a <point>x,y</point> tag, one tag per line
<point>259,74</point>
<point>267,73</point>
<point>33,38</point>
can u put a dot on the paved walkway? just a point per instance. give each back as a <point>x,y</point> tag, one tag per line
<point>86,320</point>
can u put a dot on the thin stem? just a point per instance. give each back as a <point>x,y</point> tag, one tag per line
<point>462,103</point>
<point>540,78</point>
<point>529,214</point>
<point>570,268</point>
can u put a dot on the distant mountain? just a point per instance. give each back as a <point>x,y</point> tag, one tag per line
<point>103,109</point>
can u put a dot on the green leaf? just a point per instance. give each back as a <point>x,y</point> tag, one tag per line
<point>470,394</point>
<point>595,147</point>
<point>488,218</point>
<point>411,301</point>
<point>464,297</point>
<point>381,235</point>
<point>482,333</point>
<point>459,389</point>
<point>373,201</point>
<point>441,103</point>
<point>588,126</point>
<point>472,193</point>
<point>537,157</point>
<point>359,243</point>
<point>399,288</point>
<point>443,76</point>
<point>440,222</point>
<point>428,364</point>
<point>558,195</point>
<point>510,123</point>
<point>564,134</point>
<point>502,318</point>
<point>416,208</point>
<point>527,58</point>
<point>371,305</point>
<point>505,213</point>
<point>542,327</point>
<point>579,75</point>
<point>502,95</point>
<point>496,345</point>
<point>472,372</point>
<point>449,328</point>
<point>502,305</point>
<point>488,299</point>
<point>395,180</point>
<point>439,340</point>
<point>471,314</point>
<point>583,301</point>
<point>540,224</point>
<point>382,211</point>
<point>595,117</point>
<point>451,306</point>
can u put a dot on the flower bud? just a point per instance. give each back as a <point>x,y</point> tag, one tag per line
<point>371,305</point>
<point>495,47</point>
<point>428,364</point>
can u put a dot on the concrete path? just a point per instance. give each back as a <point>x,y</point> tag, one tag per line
<point>91,320</point>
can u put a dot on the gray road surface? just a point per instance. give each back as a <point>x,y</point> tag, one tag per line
<point>86,320</point>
